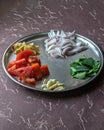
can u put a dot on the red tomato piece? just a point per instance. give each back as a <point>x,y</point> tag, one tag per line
<point>44,70</point>
<point>11,63</point>
<point>28,71</point>
<point>38,76</point>
<point>24,71</point>
<point>11,69</point>
<point>36,69</point>
<point>25,54</point>
<point>18,63</point>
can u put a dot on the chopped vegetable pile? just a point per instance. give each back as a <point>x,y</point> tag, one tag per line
<point>61,44</point>
<point>84,67</point>
<point>21,46</point>
<point>52,84</point>
<point>27,67</point>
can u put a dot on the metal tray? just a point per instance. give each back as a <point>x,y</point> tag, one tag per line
<point>59,68</point>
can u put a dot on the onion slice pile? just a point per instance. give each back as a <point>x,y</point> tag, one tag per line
<point>62,44</point>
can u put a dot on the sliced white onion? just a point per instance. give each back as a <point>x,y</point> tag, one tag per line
<point>61,44</point>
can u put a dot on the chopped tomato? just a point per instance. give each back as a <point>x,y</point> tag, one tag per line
<point>38,76</point>
<point>27,67</point>
<point>11,69</point>
<point>25,54</point>
<point>34,59</point>
<point>18,63</point>
<point>10,64</point>
<point>36,69</point>
<point>44,70</point>
<point>28,71</point>
<point>24,71</point>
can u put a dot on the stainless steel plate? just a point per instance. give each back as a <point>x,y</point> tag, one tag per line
<point>59,68</point>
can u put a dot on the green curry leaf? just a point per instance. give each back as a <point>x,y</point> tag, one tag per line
<point>84,67</point>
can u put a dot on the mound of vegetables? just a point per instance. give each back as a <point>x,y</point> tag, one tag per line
<point>27,67</point>
<point>21,46</point>
<point>84,67</point>
<point>52,84</point>
<point>62,44</point>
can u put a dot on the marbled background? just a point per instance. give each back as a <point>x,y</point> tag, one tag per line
<point>23,109</point>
